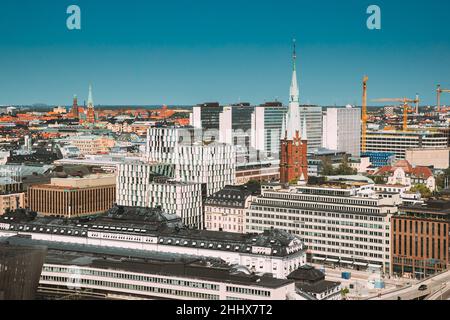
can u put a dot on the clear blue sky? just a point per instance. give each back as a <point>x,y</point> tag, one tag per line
<point>192,51</point>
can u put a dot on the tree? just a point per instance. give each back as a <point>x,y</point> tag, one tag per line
<point>344,292</point>
<point>423,189</point>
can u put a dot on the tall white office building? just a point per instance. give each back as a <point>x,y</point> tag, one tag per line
<point>140,184</point>
<point>266,127</point>
<point>194,159</point>
<point>313,117</point>
<point>342,130</point>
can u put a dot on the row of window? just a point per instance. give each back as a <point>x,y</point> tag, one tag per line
<point>132,287</point>
<point>134,277</point>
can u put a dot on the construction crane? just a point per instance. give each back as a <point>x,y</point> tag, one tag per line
<point>364,114</point>
<point>439,91</point>
<point>405,102</point>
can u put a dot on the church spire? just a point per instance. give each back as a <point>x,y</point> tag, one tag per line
<point>90,100</point>
<point>293,121</point>
<point>294,92</point>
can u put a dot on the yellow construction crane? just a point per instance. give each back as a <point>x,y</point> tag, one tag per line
<point>439,91</point>
<point>405,102</point>
<point>364,114</point>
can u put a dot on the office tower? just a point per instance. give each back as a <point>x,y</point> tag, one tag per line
<point>342,130</point>
<point>293,153</point>
<point>267,123</point>
<point>235,129</point>
<point>142,185</point>
<point>206,116</point>
<point>313,115</point>
<point>194,160</point>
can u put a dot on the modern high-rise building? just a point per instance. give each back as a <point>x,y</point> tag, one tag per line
<point>206,116</point>
<point>342,130</point>
<point>267,123</point>
<point>209,163</point>
<point>313,116</point>
<point>235,129</point>
<point>143,185</point>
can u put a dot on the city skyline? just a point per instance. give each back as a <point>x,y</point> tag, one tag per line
<point>154,54</point>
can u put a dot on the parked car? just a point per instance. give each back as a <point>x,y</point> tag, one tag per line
<point>423,287</point>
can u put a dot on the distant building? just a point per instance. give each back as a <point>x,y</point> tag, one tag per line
<point>403,173</point>
<point>313,116</point>
<point>143,185</point>
<point>235,129</point>
<point>397,142</point>
<point>342,130</point>
<point>438,158</point>
<point>266,128</point>
<point>73,196</point>
<point>11,201</point>
<point>380,159</point>
<point>91,144</point>
<point>60,110</point>
<point>206,116</point>
<point>225,210</point>
<point>195,161</point>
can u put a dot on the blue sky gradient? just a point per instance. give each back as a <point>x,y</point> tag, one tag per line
<point>187,52</point>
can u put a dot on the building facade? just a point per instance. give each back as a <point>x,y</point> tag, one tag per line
<point>143,185</point>
<point>438,158</point>
<point>420,239</point>
<point>273,251</point>
<point>342,130</point>
<point>313,117</point>
<point>194,161</point>
<point>346,225</point>
<point>266,128</point>
<point>397,142</point>
<point>225,210</point>
<point>11,201</point>
<point>73,197</point>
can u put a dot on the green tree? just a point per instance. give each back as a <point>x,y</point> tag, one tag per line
<point>423,189</point>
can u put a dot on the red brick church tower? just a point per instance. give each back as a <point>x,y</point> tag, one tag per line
<point>294,147</point>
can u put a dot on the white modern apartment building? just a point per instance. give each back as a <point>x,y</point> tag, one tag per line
<point>194,160</point>
<point>398,142</point>
<point>141,185</point>
<point>340,223</point>
<point>342,130</point>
